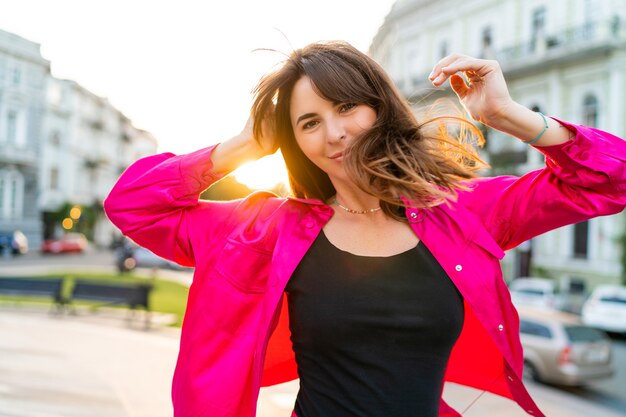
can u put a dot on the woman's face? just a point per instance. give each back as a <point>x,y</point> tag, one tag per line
<point>324,129</point>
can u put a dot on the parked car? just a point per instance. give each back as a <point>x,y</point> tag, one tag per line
<point>559,349</point>
<point>13,242</point>
<point>606,308</point>
<point>147,259</point>
<point>67,243</point>
<point>533,292</point>
<point>545,293</point>
<point>130,256</point>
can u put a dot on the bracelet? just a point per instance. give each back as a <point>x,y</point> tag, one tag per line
<point>530,142</point>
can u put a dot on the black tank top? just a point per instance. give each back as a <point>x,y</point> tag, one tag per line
<point>372,335</point>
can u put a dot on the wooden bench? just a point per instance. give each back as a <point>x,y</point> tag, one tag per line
<point>132,295</point>
<point>37,287</point>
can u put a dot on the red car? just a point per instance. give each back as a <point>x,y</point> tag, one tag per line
<point>70,242</point>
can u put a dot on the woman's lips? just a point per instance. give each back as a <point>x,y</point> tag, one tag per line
<point>337,156</point>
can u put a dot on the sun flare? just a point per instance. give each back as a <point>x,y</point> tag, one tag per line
<point>263,174</point>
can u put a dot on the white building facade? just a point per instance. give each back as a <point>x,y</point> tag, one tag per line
<point>23,75</point>
<point>60,145</point>
<point>86,145</point>
<point>566,58</point>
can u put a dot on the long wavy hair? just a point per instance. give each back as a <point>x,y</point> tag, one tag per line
<point>400,160</point>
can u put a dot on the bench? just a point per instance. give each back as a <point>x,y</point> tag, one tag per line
<point>38,287</point>
<point>132,295</point>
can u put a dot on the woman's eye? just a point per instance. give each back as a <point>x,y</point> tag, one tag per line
<point>347,107</point>
<point>309,124</point>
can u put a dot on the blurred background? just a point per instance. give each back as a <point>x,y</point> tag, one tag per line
<point>87,88</point>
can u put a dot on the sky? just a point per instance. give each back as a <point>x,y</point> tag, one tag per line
<point>183,70</point>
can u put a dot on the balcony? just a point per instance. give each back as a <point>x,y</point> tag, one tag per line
<point>571,44</point>
<point>26,156</point>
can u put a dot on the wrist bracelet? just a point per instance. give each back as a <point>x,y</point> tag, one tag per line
<point>530,142</point>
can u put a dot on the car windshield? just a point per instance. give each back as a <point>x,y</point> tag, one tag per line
<point>530,291</point>
<point>613,299</point>
<point>584,334</point>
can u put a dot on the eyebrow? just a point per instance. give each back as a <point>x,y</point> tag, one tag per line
<point>305,116</point>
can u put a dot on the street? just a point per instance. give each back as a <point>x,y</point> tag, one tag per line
<point>129,387</point>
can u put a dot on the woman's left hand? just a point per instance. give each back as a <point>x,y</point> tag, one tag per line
<point>485,95</point>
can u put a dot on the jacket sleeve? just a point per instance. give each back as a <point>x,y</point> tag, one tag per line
<point>583,178</point>
<point>155,201</point>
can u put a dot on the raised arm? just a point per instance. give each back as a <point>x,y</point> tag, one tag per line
<point>585,173</point>
<point>486,98</point>
<point>156,200</point>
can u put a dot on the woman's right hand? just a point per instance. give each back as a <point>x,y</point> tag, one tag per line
<point>266,142</point>
<point>244,147</point>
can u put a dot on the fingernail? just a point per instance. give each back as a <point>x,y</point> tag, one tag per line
<point>430,76</point>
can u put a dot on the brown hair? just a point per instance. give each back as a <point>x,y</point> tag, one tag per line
<point>424,163</point>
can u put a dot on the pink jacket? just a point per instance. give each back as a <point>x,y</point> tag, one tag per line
<point>235,336</point>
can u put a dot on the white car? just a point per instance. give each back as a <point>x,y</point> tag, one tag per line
<point>534,292</point>
<point>606,308</point>
<point>545,294</point>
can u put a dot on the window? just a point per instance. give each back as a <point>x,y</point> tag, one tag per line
<point>534,329</point>
<point>11,126</point>
<point>54,178</point>
<point>55,138</point>
<point>17,75</point>
<point>15,128</point>
<point>538,27</point>
<point>13,197</point>
<point>11,194</point>
<point>584,334</point>
<point>590,110</point>
<point>443,49</point>
<point>581,239</point>
<point>486,42</point>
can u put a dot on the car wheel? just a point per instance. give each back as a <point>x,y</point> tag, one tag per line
<point>530,371</point>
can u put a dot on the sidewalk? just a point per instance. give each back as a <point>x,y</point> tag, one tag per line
<point>100,365</point>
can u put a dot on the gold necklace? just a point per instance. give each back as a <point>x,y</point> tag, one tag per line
<point>349,210</point>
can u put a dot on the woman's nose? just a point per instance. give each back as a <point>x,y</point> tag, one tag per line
<point>335,131</point>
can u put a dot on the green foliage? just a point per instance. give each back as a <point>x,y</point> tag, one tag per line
<point>87,221</point>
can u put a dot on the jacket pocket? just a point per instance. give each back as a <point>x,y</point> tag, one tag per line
<point>246,267</point>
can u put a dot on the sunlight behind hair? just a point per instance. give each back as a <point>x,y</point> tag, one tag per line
<point>263,174</point>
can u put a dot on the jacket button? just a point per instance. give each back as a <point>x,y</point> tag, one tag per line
<point>458,268</point>
<point>414,215</point>
<point>308,224</point>
<point>510,377</point>
<point>500,327</point>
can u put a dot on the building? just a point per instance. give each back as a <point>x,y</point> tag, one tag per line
<point>23,75</point>
<point>566,58</point>
<point>60,146</point>
<point>86,145</point>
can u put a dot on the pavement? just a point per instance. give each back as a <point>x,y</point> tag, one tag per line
<point>105,363</point>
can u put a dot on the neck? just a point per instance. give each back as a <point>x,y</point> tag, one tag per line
<point>355,201</point>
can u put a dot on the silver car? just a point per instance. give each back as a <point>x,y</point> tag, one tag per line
<point>559,349</point>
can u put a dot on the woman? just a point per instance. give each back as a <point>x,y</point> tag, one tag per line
<point>383,274</point>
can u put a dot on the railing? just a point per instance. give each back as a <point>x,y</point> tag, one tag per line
<point>591,34</point>
<point>26,155</point>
